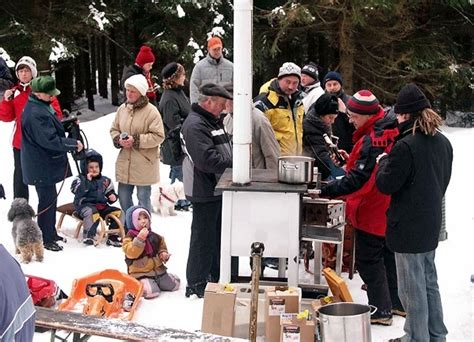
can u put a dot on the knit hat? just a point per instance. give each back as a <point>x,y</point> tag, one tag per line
<point>332,76</point>
<point>169,70</point>
<point>311,70</point>
<point>44,84</point>
<point>364,103</point>
<point>145,55</point>
<point>288,69</point>
<point>213,42</point>
<point>211,89</point>
<point>139,82</point>
<point>137,213</point>
<point>326,104</point>
<point>410,100</point>
<point>30,63</point>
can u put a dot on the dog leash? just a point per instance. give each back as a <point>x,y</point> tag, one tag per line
<point>162,194</point>
<point>57,195</point>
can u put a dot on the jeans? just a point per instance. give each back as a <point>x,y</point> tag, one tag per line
<point>47,201</point>
<point>20,189</point>
<point>419,292</point>
<point>205,244</point>
<point>176,173</point>
<point>125,192</point>
<point>376,266</point>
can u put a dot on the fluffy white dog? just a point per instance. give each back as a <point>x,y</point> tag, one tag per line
<point>165,196</point>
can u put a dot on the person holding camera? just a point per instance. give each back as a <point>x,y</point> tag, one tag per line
<point>137,131</point>
<point>43,154</point>
<point>11,108</point>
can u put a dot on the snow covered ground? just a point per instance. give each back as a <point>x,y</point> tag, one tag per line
<point>454,256</point>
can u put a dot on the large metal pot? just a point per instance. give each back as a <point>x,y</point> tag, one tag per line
<point>295,169</point>
<point>345,322</point>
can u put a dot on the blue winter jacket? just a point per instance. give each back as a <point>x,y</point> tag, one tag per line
<point>17,312</point>
<point>44,145</point>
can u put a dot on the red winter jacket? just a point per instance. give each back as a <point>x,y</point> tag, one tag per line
<point>12,110</point>
<point>365,205</point>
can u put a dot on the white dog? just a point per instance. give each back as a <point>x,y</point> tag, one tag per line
<point>165,196</point>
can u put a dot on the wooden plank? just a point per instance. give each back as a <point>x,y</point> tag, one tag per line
<point>114,328</point>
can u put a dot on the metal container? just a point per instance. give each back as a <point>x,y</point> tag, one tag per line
<point>345,322</point>
<point>295,169</point>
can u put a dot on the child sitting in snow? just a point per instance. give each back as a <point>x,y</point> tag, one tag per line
<point>146,254</point>
<point>92,193</point>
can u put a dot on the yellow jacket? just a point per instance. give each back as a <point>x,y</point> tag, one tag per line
<point>285,115</point>
<point>138,263</point>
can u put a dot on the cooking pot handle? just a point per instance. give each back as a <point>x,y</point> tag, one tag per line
<point>374,308</point>
<point>289,166</point>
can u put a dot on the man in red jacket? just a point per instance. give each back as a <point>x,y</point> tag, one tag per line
<point>366,206</point>
<point>14,101</point>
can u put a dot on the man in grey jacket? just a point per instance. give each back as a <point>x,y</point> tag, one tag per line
<point>265,147</point>
<point>214,68</point>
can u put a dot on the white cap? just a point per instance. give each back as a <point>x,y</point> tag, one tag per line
<point>289,68</point>
<point>139,82</point>
<point>30,63</point>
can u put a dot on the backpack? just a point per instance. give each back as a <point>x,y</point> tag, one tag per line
<point>170,150</point>
<point>44,292</point>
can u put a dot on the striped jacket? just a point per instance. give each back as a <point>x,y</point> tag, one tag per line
<point>208,153</point>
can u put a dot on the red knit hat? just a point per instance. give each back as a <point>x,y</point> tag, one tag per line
<point>145,55</point>
<point>214,41</point>
<point>364,103</point>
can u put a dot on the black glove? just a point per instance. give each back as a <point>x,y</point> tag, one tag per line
<point>2,192</point>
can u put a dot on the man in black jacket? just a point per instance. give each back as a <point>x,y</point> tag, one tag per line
<point>208,153</point>
<point>416,174</point>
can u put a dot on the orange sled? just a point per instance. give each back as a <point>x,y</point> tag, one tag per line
<point>108,293</point>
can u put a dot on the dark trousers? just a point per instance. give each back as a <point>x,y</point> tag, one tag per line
<point>205,245</point>
<point>47,200</point>
<point>20,189</point>
<point>376,266</point>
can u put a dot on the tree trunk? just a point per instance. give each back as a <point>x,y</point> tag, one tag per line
<point>64,75</point>
<point>103,67</point>
<point>93,50</point>
<point>78,75</point>
<point>346,51</point>
<point>114,71</point>
<point>87,74</point>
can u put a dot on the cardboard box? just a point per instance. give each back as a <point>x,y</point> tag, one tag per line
<point>279,301</point>
<point>218,311</point>
<point>294,329</point>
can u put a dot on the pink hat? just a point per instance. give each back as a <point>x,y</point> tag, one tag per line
<point>137,213</point>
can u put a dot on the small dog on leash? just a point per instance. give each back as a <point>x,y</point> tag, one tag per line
<point>164,198</point>
<point>26,233</point>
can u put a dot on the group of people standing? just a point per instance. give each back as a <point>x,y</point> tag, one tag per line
<point>397,166</point>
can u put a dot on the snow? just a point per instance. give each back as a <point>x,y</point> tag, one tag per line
<point>180,11</point>
<point>98,16</point>
<point>173,310</point>
<point>6,57</point>
<point>58,51</point>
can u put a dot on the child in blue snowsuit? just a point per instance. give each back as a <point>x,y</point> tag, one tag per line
<point>93,193</point>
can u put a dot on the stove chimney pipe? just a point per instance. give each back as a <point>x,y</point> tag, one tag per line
<point>242,138</point>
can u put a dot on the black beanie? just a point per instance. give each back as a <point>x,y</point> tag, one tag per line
<point>326,104</point>
<point>410,100</point>
<point>169,70</point>
<point>311,70</point>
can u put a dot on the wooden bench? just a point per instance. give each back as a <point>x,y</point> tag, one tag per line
<point>83,326</point>
<point>68,210</point>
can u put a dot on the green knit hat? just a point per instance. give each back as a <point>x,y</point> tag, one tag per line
<point>45,84</point>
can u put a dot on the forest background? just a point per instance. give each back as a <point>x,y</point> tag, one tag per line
<point>375,44</point>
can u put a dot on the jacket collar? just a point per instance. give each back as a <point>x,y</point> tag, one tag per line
<point>214,61</point>
<point>141,102</point>
<point>368,126</point>
<point>204,113</point>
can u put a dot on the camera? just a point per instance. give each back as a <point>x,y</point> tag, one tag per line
<point>71,126</point>
<point>124,136</point>
<point>70,123</point>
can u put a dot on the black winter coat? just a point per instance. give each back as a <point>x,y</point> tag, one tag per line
<point>416,173</point>
<point>208,153</point>
<point>342,128</point>
<point>174,108</point>
<point>44,145</point>
<point>314,144</point>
